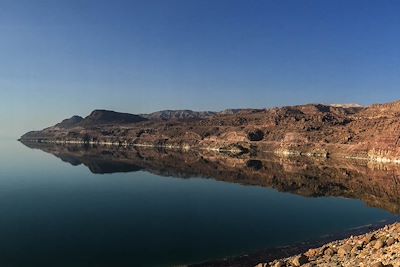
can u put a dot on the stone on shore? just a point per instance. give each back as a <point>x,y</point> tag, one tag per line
<point>299,260</point>
<point>380,248</point>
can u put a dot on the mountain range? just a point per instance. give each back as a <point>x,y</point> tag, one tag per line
<point>317,130</point>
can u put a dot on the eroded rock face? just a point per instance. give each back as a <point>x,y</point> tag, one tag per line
<point>371,133</point>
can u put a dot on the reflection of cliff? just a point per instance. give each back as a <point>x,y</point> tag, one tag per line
<point>377,185</point>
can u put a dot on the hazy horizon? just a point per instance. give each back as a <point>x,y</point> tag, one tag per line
<point>71,57</point>
<point>5,135</point>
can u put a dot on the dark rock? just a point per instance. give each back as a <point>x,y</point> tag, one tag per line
<point>370,237</point>
<point>256,135</point>
<point>390,241</point>
<point>299,260</point>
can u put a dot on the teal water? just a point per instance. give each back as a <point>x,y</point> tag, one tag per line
<point>56,214</point>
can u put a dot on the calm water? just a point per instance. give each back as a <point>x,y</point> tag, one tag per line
<point>57,214</point>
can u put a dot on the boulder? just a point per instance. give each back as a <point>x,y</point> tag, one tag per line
<point>299,260</point>
<point>344,250</point>
<point>329,252</point>
<point>379,244</point>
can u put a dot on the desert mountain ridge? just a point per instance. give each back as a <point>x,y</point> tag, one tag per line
<point>102,116</point>
<point>343,130</point>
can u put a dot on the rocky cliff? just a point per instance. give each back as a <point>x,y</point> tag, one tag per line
<point>339,131</point>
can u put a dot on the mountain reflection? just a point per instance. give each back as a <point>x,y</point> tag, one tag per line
<point>376,185</point>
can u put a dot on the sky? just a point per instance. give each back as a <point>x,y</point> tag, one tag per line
<point>67,57</point>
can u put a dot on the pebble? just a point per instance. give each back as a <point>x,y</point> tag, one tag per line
<point>379,244</point>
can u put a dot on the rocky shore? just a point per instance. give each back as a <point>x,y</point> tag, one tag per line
<point>377,249</point>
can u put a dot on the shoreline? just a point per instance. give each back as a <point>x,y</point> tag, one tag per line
<point>236,150</point>
<point>270,256</point>
<point>378,248</point>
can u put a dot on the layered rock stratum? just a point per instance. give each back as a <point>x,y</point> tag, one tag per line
<point>344,131</point>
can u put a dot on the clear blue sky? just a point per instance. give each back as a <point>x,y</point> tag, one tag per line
<point>60,58</point>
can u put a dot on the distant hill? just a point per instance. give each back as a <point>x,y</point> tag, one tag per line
<point>178,115</point>
<point>350,105</point>
<point>71,122</point>
<point>98,117</point>
<point>233,111</point>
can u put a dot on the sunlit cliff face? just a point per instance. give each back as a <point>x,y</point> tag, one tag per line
<point>316,130</point>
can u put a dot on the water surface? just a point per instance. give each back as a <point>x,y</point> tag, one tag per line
<point>113,210</point>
